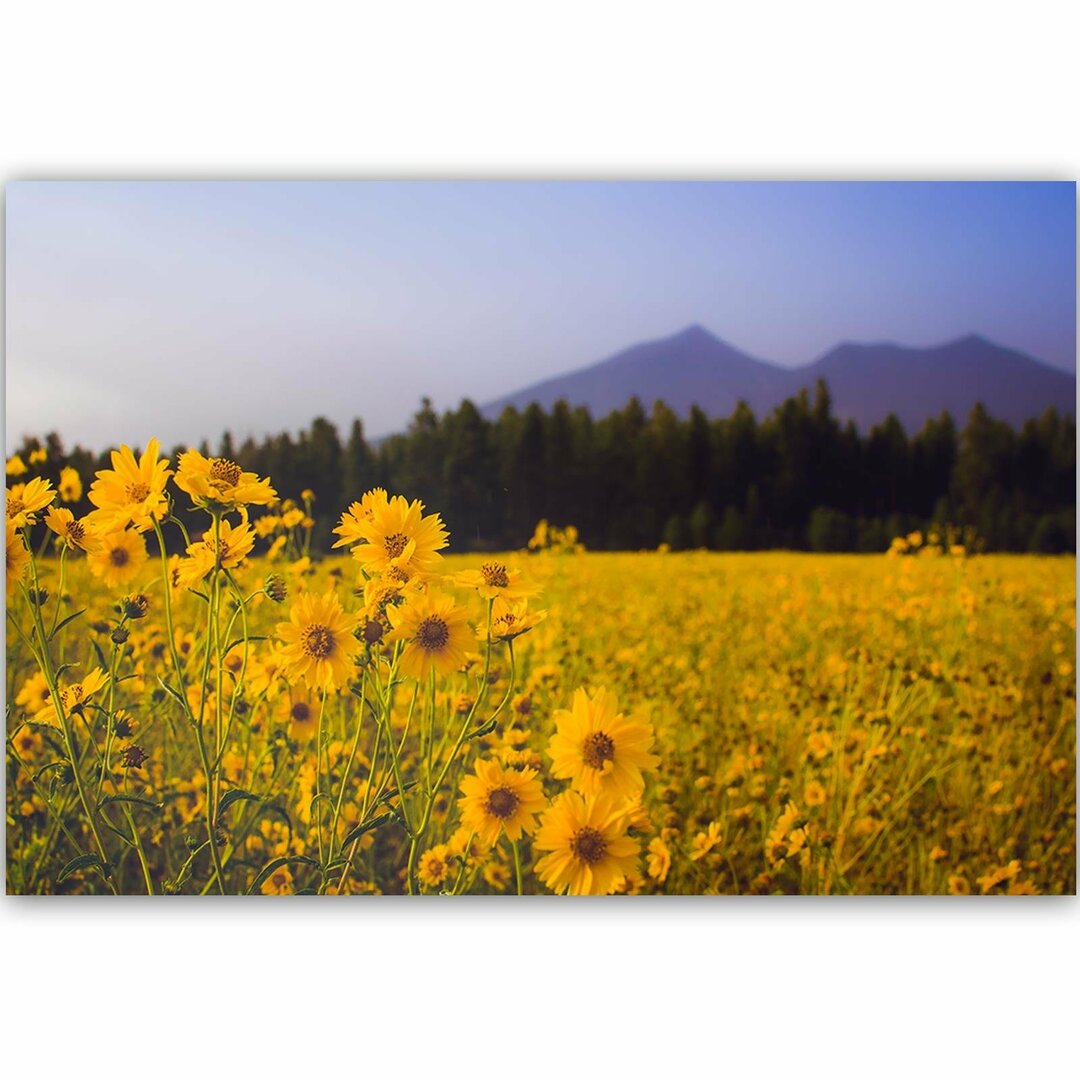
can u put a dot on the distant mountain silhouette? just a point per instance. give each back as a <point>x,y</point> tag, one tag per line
<point>866,382</point>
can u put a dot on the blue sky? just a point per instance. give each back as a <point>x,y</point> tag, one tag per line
<point>183,309</point>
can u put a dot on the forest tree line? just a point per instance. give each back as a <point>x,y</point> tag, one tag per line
<point>636,478</point>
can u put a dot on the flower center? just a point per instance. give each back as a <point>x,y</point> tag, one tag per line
<point>588,845</point>
<point>119,556</point>
<point>432,633</point>
<point>15,506</point>
<point>224,471</point>
<point>317,641</point>
<point>495,575</point>
<point>301,712</point>
<point>501,802</point>
<point>395,544</point>
<point>596,749</point>
<point>137,492</point>
<point>76,531</point>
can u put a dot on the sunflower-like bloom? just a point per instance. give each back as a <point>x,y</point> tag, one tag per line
<point>358,514</point>
<point>16,557</point>
<point>132,491</point>
<point>436,633</point>
<point>496,800</point>
<point>75,534</point>
<point>16,466</point>
<point>25,501</point>
<point>510,620</point>
<point>399,537</point>
<point>70,485</point>
<point>434,866</point>
<point>220,484</point>
<point>658,863</point>
<point>318,641</point>
<point>600,750</point>
<point>299,709</point>
<point>117,557</point>
<point>589,851</point>
<point>232,546</point>
<point>72,698</point>
<point>495,579</point>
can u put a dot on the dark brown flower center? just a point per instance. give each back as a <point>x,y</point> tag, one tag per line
<point>301,712</point>
<point>395,544</point>
<point>432,633</point>
<point>137,491</point>
<point>596,749</point>
<point>76,531</point>
<point>225,471</point>
<point>495,575</point>
<point>119,556</point>
<point>317,641</point>
<point>588,845</point>
<point>502,802</point>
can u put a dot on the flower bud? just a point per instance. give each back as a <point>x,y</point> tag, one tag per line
<point>135,606</point>
<point>276,588</point>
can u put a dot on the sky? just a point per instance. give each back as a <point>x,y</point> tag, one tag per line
<point>182,309</point>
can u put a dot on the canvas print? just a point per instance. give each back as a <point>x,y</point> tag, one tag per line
<point>540,538</point>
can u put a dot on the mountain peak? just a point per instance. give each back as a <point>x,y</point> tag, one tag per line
<point>866,381</point>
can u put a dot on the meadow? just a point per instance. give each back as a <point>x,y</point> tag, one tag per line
<point>248,716</point>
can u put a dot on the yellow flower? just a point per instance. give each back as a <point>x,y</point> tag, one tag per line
<point>436,633</point>
<point>358,514</point>
<point>815,793</point>
<point>25,500</point>
<point>510,621</point>
<point>131,491</point>
<point>16,466</point>
<point>70,486</point>
<point>220,484</point>
<point>434,867</point>
<point>787,837</point>
<point>399,536</point>
<point>33,694</point>
<point>232,546</point>
<point>74,533</point>
<point>499,800</point>
<point>17,558</point>
<point>39,456</point>
<point>117,557</point>
<point>279,883</point>
<point>72,698</point>
<point>301,711</point>
<point>589,851</point>
<point>998,875</point>
<point>318,641</point>
<point>704,842</point>
<point>495,579</point>
<point>959,886</point>
<point>658,861</point>
<point>600,750</point>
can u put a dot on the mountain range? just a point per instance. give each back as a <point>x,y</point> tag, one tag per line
<point>866,381</point>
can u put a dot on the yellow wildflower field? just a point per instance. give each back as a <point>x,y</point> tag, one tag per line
<point>246,718</point>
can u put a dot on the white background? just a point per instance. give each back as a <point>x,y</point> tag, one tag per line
<point>871,987</point>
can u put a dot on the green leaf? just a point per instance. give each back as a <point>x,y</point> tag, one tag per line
<point>395,791</point>
<point>171,692</point>
<point>276,864</point>
<point>81,862</point>
<point>63,622</point>
<point>235,795</point>
<point>359,831</point>
<point>240,641</point>
<point>140,800</point>
<point>484,729</point>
